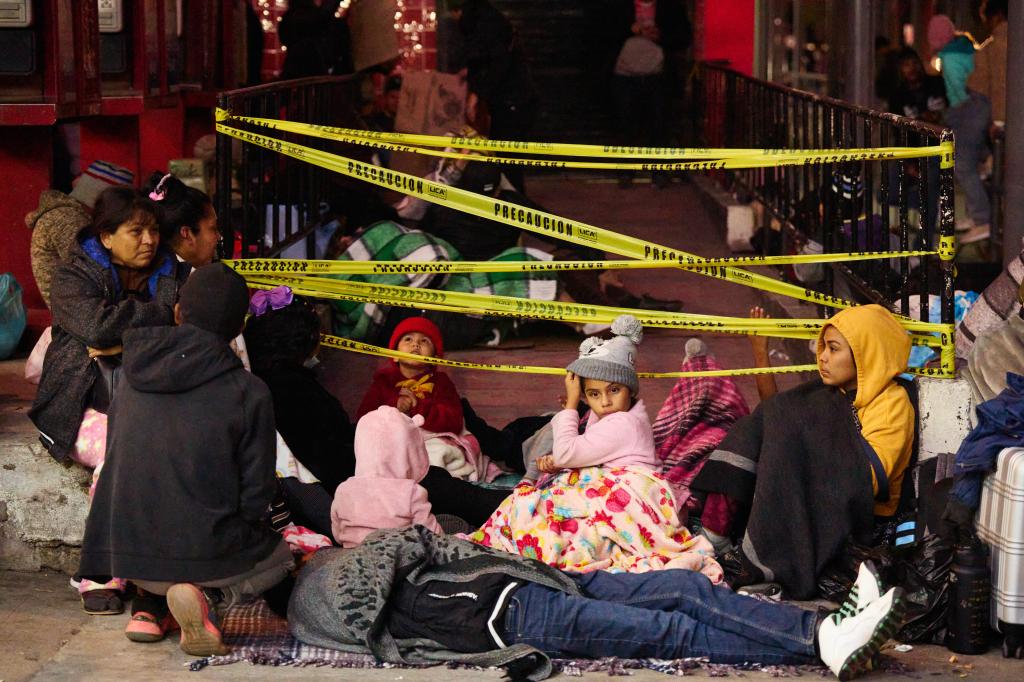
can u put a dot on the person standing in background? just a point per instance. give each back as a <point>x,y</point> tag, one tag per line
<point>497,71</point>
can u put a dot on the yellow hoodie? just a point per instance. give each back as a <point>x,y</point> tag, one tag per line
<point>880,350</point>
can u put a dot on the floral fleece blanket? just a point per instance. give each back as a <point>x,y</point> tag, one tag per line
<point>597,518</point>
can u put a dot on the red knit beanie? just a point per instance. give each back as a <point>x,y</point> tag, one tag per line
<point>423,326</point>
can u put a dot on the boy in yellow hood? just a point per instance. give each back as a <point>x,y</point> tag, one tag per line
<point>861,351</point>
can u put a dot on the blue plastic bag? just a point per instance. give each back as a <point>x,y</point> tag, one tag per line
<point>12,315</point>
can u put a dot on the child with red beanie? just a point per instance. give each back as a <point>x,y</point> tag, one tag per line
<point>419,388</point>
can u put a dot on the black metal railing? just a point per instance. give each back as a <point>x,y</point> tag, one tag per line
<point>892,205</point>
<point>275,202</point>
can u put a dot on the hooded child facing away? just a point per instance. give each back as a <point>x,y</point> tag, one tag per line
<point>840,443</point>
<point>182,506</point>
<point>385,492</point>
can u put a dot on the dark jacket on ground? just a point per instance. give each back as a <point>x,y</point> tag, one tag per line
<point>90,309</point>
<point>189,473</point>
<point>341,597</point>
<point>313,424</point>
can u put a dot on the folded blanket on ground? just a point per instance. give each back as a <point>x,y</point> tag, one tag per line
<point>798,465</point>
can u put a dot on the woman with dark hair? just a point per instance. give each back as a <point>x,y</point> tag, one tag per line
<point>283,336</point>
<point>188,221</point>
<point>118,278</point>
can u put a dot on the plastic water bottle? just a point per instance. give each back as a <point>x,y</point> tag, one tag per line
<point>967,630</point>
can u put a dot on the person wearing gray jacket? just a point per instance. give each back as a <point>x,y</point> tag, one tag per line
<point>410,596</point>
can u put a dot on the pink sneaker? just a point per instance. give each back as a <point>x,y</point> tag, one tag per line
<point>145,627</point>
<point>193,609</point>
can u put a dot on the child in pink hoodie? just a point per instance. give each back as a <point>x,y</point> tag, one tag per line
<point>603,506</point>
<point>385,492</point>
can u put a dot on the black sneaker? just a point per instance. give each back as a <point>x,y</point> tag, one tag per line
<point>102,602</point>
<point>739,571</point>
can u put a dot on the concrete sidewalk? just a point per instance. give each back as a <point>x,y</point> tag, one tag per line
<point>46,636</point>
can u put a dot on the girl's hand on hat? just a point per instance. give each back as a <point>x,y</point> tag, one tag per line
<point>98,352</point>
<point>572,391</point>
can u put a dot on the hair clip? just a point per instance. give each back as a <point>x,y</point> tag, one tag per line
<point>274,299</point>
<point>159,192</point>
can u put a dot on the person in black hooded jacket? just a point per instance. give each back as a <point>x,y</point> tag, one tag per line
<point>181,508</point>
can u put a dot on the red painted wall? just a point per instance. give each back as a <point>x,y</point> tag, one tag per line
<point>724,29</point>
<point>26,156</point>
<point>161,135</point>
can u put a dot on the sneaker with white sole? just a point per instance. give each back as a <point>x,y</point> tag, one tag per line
<point>866,589</point>
<point>847,647</point>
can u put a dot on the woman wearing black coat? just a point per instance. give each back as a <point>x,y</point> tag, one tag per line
<point>118,278</point>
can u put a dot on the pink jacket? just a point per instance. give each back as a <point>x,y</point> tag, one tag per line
<point>617,439</point>
<point>385,492</point>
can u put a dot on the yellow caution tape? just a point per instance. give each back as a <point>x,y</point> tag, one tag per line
<point>580,313</point>
<point>369,349</point>
<point>347,267</point>
<point>341,343</point>
<point>947,247</point>
<point>756,158</point>
<point>946,160</point>
<point>573,231</point>
<point>528,219</point>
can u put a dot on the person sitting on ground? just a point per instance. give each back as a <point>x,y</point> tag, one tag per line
<point>188,221</point>
<point>419,388</point>
<point>841,442</point>
<point>385,491</point>
<point>696,416</point>
<point>603,506</point>
<point>410,596</point>
<point>60,219</point>
<point>283,341</point>
<point>997,351</point>
<point>118,278</point>
<point>191,421</point>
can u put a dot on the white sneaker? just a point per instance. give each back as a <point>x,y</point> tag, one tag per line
<point>978,233</point>
<point>848,646</point>
<point>866,589</point>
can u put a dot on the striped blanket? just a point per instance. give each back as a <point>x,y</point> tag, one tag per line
<point>693,420</point>
<point>389,241</point>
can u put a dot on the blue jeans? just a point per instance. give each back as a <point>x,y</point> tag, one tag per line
<point>662,614</point>
<point>969,121</point>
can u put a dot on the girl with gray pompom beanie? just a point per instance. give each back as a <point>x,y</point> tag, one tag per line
<point>618,431</point>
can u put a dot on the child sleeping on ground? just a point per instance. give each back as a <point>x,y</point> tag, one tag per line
<point>385,491</point>
<point>601,506</point>
<point>418,388</point>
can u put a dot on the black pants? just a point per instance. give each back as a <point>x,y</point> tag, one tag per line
<point>449,495</point>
